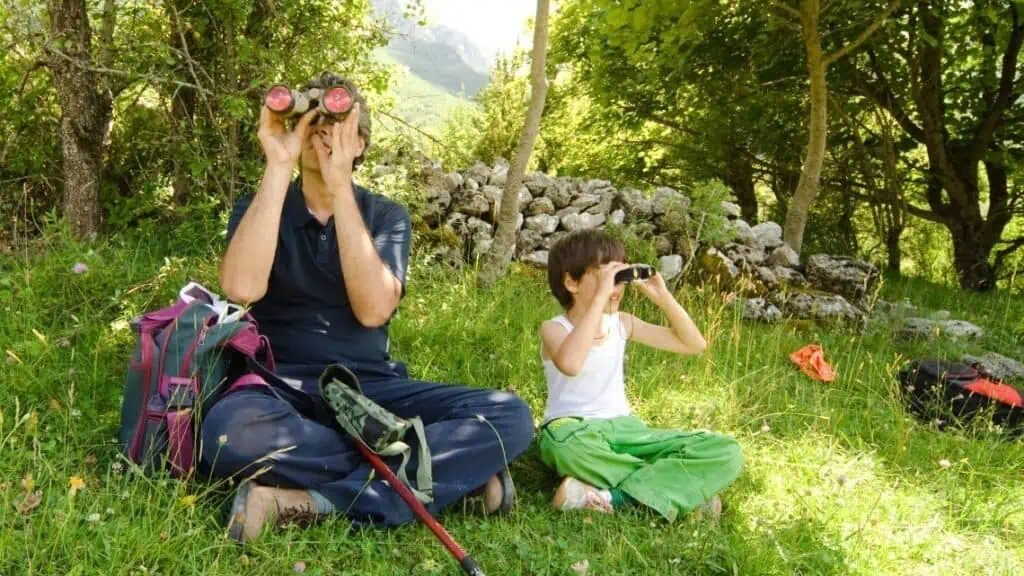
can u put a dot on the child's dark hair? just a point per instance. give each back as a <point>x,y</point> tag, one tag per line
<point>574,254</point>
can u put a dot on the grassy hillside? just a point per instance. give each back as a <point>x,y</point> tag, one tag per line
<point>837,479</point>
<point>418,101</point>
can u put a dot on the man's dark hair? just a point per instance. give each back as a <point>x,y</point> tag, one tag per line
<point>328,79</point>
<point>574,254</point>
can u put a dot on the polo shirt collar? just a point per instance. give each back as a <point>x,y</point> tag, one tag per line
<point>295,207</point>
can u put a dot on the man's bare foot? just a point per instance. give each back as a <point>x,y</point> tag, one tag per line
<point>256,506</point>
<point>575,495</point>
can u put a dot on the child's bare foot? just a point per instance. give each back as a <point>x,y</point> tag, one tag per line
<point>575,495</point>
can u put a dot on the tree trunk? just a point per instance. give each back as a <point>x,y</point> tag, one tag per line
<point>182,117</point>
<point>892,249</point>
<point>810,174</point>
<point>85,113</point>
<point>501,251</point>
<point>740,178</point>
<point>970,255</point>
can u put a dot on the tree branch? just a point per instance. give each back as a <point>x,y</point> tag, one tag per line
<point>405,123</point>
<point>131,76</point>
<point>864,35</point>
<point>988,126</point>
<point>1012,246</point>
<point>881,92</point>
<point>786,8</point>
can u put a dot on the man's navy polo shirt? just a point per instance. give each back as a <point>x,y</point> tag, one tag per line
<point>306,313</point>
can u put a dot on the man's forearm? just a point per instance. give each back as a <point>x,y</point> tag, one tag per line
<point>372,288</point>
<point>245,269</point>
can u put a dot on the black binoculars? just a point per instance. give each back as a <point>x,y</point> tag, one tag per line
<point>634,273</point>
<point>333,102</point>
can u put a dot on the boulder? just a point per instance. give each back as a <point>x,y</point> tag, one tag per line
<point>617,218</point>
<point>473,204</point>
<point>478,227</point>
<point>594,186</point>
<point>524,197</point>
<point>670,266</point>
<point>456,224</point>
<point>789,276</point>
<point>741,232</point>
<point>840,275</point>
<point>768,234</point>
<point>542,205</point>
<point>924,328</point>
<point>758,310</point>
<point>543,223</point>
<point>499,174</point>
<point>584,201</point>
<point>998,366</point>
<point>452,181</point>
<point>662,245</point>
<point>636,205</point>
<point>538,182</point>
<point>750,255</point>
<point>559,191</point>
<point>716,263</point>
<point>493,195</point>
<point>470,185</point>
<point>668,200</point>
<point>479,172</point>
<point>604,206</point>
<point>551,239</point>
<point>731,211</point>
<point>584,221</point>
<point>538,258</point>
<point>820,307</point>
<point>529,241</point>
<point>438,201</point>
<point>784,256</point>
<point>960,329</point>
<point>767,277</point>
<point>895,309</point>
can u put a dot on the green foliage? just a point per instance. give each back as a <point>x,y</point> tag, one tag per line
<point>707,218</point>
<point>836,480</point>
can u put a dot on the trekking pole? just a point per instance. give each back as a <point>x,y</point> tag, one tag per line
<point>468,564</point>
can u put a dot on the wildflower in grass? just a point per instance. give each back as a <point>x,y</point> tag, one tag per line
<point>79,268</point>
<point>75,483</point>
<point>945,463</point>
<point>300,567</point>
<point>94,517</point>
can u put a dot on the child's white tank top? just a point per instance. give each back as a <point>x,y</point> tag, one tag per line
<point>599,389</point>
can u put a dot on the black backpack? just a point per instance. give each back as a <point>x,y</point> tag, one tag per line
<point>946,393</point>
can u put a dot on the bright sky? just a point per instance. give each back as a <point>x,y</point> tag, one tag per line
<point>493,25</point>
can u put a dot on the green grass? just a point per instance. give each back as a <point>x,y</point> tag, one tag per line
<point>418,101</point>
<point>837,479</point>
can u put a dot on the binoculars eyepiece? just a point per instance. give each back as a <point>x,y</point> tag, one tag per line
<point>634,273</point>
<point>332,102</point>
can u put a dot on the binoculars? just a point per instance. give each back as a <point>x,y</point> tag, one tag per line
<point>634,273</point>
<point>334,102</point>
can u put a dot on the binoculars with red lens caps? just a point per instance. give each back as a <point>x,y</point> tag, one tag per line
<point>333,102</point>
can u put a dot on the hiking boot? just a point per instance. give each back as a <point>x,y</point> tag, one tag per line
<point>575,495</point>
<point>496,496</point>
<point>256,506</point>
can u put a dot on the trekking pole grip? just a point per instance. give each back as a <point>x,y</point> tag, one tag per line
<point>470,566</point>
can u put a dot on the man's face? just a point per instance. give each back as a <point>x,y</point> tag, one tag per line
<point>322,130</point>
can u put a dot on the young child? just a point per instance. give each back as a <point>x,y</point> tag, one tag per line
<point>590,436</point>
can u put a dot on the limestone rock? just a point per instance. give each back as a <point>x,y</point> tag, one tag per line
<point>529,241</point>
<point>820,307</point>
<point>759,310</point>
<point>669,200</point>
<point>559,191</point>
<point>499,174</point>
<point>479,172</point>
<point>537,182</point>
<point>636,205</point>
<point>584,201</point>
<point>784,256</point>
<point>789,276</point>
<point>456,224</point>
<point>617,218</point>
<point>478,227</point>
<point>751,256</point>
<point>663,245</point>
<point>768,234</point>
<point>731,211</point>
<point>718,264</point>
<point>997,365</point>
<point>584,221</point>
<point>840,275</point>
<point>594,186</point>
<point>474,204</point>
<point>913,328</point>
<point>543,223</point>
<point>741,232</point>
<point>470,185</point>
<point>767,277</point>
<point>607,200</point>
<point>670,266</point>
<point>542,205</point>
<point>538,258</point>
<point>551,239</point>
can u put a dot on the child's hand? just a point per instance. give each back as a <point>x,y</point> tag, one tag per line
<point>654,288</point>
<point>606,278</point>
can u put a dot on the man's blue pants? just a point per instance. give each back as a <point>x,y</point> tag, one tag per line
<point>293,434</point>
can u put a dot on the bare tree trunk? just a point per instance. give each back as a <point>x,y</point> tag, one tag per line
<point>85,112</point>
<point>740,177</point>
<point>501,251</point>
<point>810,174</point>
<point>182,116</point>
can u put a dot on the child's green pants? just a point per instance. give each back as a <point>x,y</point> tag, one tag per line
<point>672,471</point>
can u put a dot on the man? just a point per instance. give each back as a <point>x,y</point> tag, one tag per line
<point>324,263</point>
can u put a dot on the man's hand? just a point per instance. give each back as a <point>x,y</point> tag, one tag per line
<point>281,147</point>
<point>655,289</point>
<point>344,146</point>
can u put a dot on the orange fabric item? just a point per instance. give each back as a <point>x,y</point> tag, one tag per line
<point>811,360</point>
<point>996,391</point>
